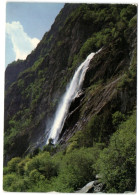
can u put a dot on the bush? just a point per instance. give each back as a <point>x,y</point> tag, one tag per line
<point>117,163</point>
<point>21,166</point>
<point>36,176</point>
<point>14,183</point>
<point>12,164</point>
<point>40,186</point>
<point>42,162</point>
<point>76,169</point>
<point>8,180</point>
<point>5,170</point>
<point>117,118</point>
<point>88,47</point>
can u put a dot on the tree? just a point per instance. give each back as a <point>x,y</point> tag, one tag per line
<point>117,163</point>
<point>12,164</point>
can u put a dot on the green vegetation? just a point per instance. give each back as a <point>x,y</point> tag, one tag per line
<point>106,142</point>
<point>117,162</point>
<point>110,22</point>
<point>30,93</point>
<point>117,117</point>
<point>71,169</point>
<point>15,127</point>
<point>128,79</point>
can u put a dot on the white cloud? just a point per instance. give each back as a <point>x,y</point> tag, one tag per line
<point>22,43</point>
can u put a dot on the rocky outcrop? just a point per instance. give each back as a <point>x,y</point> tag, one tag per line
<point>105,96</point>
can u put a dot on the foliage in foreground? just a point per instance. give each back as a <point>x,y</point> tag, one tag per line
<point>117,162</point>
<point>70,170</point>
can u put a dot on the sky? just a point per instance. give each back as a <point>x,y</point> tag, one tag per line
<point>26,23</point>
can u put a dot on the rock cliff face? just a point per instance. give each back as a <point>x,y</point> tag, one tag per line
<point>34,86</point>
<point>103,94</point>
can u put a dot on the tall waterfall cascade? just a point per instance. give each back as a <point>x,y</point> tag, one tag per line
<point>71,93</point>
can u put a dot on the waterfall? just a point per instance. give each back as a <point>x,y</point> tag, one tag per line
<point>71,93</point>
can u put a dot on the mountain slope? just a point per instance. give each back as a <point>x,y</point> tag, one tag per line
<point>34,90</point>
<point>99,134</point>
<point>43,48</point>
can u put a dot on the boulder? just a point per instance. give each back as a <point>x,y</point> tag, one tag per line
<point>93,186</point>
<point>86,188</point>
<point>98,188</point>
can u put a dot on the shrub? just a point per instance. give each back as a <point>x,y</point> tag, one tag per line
<point>87,47</point>
<point>36,176</point>
<point>117,118</point>
<point>8,180</point>
<point>21,166</point>
<point>5,170</point>
<point>76,168</point>
<point>40,186</point>
<point>42,163</point>
<point>14,183</point>
<point>117,163</point>
<point>12,164</point>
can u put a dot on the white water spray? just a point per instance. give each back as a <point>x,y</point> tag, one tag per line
<point>70,94</point>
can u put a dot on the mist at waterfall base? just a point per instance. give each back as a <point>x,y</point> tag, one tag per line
<point>72,91</point>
